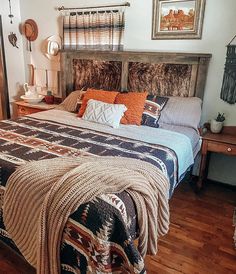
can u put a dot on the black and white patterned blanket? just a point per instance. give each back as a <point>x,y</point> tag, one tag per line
<point>101,232</point>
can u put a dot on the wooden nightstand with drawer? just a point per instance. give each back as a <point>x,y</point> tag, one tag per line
<point>24,108</point>
<point>224,142</point>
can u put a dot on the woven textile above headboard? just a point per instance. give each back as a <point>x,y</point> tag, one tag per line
<point>167,74</point>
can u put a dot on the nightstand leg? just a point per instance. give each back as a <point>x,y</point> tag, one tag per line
<point>202,172</point>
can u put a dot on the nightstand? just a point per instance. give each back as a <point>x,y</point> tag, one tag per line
<point>224,142</point>
<point>24,108</point>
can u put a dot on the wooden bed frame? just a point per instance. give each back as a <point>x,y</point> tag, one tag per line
<point>161,73</point>
<point>174,64</point>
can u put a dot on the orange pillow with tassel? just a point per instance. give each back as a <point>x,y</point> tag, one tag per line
<point>99,95</point>
<point>134,101</point>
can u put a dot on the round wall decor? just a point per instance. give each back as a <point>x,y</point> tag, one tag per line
<point>52,47</point>
<point>31,30</point>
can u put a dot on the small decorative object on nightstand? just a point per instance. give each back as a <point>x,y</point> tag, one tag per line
<point>24,108</point>
<point>224,142</point>
<point>49,98</point>
<point>31,95</point>
<point>217,124</point>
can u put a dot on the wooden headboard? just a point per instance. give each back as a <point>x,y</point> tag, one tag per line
<point>162,73</point>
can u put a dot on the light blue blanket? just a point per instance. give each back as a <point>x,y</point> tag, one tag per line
<point>178,142</point>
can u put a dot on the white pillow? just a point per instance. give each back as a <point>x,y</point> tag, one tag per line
<point>104,113</point>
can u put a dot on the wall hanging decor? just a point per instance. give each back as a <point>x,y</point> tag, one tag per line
<point>175,19</point>
<point>10,14</point>
<point>97,27</point>
<point>31,31</point>
<point>228,90</point>
<point>13,39</point>
<point>52,47</point>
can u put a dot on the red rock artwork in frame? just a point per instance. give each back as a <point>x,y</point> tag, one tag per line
<point>177,19</point>
<point>177,16</point>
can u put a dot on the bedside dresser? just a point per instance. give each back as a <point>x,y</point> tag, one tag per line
<point>24,108</point>
<point>224,142</point>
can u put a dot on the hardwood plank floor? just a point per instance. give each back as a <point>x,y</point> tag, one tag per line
<point>200,239</point>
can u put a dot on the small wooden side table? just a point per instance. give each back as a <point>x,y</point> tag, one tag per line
<point>24,108</point>
<point>224,142</point>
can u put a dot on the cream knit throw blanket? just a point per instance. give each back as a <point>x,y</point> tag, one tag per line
<point>41,195</point>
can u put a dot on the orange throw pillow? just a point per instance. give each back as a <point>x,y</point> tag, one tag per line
<point>99,95</point>
<point>134,101</point>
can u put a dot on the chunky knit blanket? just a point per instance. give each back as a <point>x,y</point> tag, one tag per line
<point>41,195</point>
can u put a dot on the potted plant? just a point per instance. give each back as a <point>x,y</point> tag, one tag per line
<point>49,98</point>
<point>217,124</point>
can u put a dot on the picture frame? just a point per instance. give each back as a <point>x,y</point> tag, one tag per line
<point>177,19</point>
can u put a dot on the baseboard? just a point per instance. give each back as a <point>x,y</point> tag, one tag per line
<point>232,187</point>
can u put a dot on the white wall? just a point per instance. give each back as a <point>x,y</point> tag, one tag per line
<point>218,29</point>
<point>49,22</point>
<point>217,32</point>
<point>14,56</point>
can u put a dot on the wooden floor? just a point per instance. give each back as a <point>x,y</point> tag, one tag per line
<point>199,241</point>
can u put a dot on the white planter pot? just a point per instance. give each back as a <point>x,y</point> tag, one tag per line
<point>215,126</point>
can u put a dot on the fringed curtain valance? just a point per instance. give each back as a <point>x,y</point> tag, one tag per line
<point>228,90</point>
<point>99,29</point>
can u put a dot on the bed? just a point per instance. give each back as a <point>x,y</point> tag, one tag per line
<point>57,133</point>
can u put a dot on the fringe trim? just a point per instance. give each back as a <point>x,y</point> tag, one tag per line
<point>228,90</point>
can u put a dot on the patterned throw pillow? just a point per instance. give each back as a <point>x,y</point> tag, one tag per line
<point>104,113</point>
<point>152,110</point>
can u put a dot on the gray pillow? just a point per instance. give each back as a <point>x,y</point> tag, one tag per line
<point>182,111</point>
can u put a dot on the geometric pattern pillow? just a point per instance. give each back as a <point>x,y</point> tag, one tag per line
<point>152,110</point>
<point>104,113</point>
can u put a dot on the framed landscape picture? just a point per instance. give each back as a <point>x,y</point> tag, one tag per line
<point>177,19</point>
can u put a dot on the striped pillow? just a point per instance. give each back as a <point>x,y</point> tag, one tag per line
<point>152,110</point>
<point>80,100</point>
<point>71,101</point>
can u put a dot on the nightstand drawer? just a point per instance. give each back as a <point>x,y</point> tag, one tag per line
<point>22,110</point>
<point>221,148</point>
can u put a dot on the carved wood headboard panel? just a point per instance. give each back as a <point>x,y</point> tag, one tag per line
<point>171,74</point>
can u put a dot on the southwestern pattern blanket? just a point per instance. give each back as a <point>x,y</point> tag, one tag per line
<point>110,218</point>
